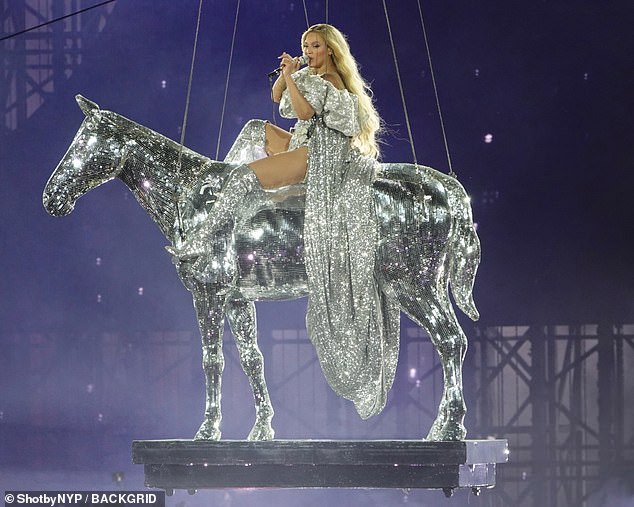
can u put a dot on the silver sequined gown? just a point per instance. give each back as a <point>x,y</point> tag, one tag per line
<point>353,327</point>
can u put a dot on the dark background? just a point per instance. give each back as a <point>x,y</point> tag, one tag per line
<point>551,81</point>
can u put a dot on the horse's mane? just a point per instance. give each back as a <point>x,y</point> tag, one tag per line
<point>193,164</point>
<point>151,170</point>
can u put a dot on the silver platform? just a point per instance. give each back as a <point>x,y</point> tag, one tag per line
<point>193,465</point>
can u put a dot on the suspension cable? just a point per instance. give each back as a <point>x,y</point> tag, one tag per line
<point>56,20</point>
<point>224,102</point>
<point>433,79</point>
<point>306,13</point>
<point>400,83</point>
<point>273,116</point>
<point>184,126</point>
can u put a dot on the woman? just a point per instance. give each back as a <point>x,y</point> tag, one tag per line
<point>328,57</point>
<point>333,148</point>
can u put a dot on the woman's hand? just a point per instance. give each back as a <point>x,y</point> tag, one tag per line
<point>301,106</point>
<point>288,64</point>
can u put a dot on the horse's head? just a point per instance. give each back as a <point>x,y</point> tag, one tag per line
<point>96,155</point>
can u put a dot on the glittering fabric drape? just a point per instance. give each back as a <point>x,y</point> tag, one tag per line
<point>355,335</point>
<point>353,327</point>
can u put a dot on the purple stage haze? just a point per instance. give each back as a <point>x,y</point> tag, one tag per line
<point>537,102</point>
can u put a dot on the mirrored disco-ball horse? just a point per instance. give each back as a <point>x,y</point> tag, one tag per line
<point>427,243</point>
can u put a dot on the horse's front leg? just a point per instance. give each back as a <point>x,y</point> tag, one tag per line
<point>242,319</point>
<point>210,310</point>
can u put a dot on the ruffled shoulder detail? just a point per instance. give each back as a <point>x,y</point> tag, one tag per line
<point>312,87</point>
<point>339,108</point>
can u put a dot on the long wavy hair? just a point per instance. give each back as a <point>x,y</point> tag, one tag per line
<point>370,122</point>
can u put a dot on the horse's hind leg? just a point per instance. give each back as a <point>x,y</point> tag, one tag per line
<point>210,309</point>
<point>432,310</point>
<point>242,318</point>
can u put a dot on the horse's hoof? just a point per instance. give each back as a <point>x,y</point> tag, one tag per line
<point>203,435</point>
<point>434,435</point>
<point>451,432</point>
<point>436,429</point>
<point>262,432</point>
<point>207,431</point>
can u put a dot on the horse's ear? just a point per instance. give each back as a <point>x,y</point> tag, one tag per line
<point>87,106</point>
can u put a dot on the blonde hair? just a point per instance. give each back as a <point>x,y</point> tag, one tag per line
<point>370,122</point>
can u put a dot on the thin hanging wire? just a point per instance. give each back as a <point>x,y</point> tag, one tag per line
<point>224,102</point>
<point>184,126</point>
<point>15,34</point>
<point>306,13</point>
<point>400,83</point>
<point>433,80</point>
<point>326,11</point>
<point>307,26</point>
<point>273,104</point>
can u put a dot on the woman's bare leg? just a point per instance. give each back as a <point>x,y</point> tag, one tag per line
<point>282,169</point>
<point>276,171</point>
<point>276,139</point>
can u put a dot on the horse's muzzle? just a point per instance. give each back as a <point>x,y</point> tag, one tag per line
<point>56,205</point>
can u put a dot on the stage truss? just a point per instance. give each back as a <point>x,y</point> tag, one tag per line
<point>557,393</point>
<point>37,63</point>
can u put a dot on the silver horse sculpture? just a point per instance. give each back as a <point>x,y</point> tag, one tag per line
<point>427,243</point>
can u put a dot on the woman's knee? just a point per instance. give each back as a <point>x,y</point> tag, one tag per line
<point>282,169</point>
<point>276,139</point>
<point>254,129</point>
<point>255,124</point>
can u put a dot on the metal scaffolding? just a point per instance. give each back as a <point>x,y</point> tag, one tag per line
<point>557,393</point>
<point>37,63</point>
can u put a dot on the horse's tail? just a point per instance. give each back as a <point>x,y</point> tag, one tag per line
<point>465,251</point>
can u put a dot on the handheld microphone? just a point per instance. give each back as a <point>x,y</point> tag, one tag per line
<point>303,60</point>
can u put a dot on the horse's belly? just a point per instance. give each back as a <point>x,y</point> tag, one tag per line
<point>270,251</point>
<point>415,224</point>
<point>414,228</point>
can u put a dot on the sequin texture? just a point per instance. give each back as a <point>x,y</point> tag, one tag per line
<point>425,246</point>
<point>355,340</point>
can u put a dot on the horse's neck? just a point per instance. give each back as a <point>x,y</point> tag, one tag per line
<point>150,172</point>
